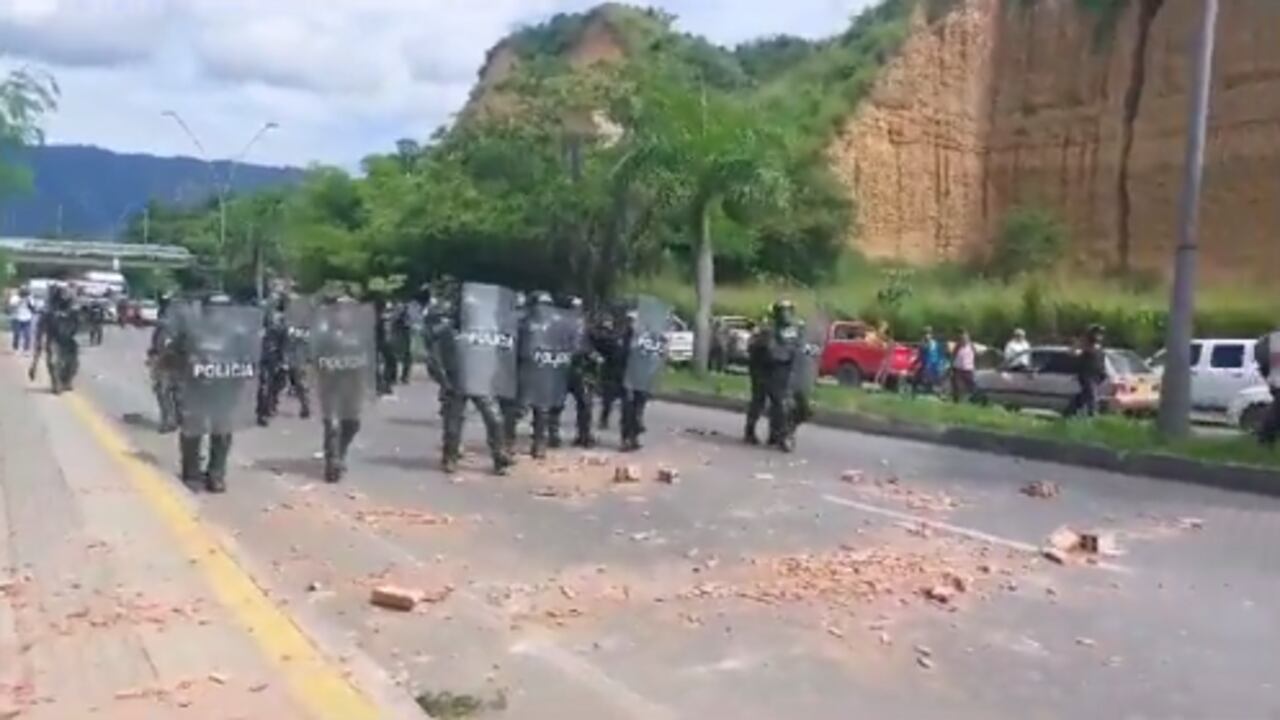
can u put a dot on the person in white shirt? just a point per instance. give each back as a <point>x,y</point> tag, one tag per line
<point>1017,351</point>
<point>964,362</point>
<point>22,313</point>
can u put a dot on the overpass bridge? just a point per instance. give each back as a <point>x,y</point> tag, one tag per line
<point>93,255</point>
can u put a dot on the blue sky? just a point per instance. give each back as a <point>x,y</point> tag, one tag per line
<point>343,78</point>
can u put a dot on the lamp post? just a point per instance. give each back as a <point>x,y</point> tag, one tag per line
<point>222,188</point>
<point>1175,395</point>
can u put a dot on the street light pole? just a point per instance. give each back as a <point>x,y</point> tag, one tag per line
<point>1175,396</point>
<point>219,186</point>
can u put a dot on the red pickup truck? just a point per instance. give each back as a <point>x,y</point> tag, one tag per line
<point>854,354</point>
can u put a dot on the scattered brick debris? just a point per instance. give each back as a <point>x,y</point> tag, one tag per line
<point>668,475</point>
<point>1042,489</point>
<point>623,474</point>
<point>406,516</point>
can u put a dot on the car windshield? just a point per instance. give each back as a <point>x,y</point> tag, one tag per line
<point>1128,362</point>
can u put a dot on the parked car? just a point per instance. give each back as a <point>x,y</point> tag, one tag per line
<point>1220,370</point>
<point>853,354</point>
<point>679,341</point>
<point>1046,380</point>
<point>730,339</point>
<point>1249,408</point>
<point>147,313</point>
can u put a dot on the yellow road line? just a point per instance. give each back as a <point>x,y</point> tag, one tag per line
<point>316,683</point>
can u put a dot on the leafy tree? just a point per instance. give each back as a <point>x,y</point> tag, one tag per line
<point>26,96</point>
<point>6,268</point>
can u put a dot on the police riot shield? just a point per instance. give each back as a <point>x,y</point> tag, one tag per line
<point>647,354</point>
<point>485,347</point>
<point>344,358</point>
<point>298,318</point>
<point>547,344</point>
<point>812,337</point>
<point>220,346</point>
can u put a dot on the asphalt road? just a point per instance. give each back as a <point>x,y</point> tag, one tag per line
<point>759,586</point>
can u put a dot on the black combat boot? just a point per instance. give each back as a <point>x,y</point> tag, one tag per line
<point>189,446</point>
<point>216,473</point>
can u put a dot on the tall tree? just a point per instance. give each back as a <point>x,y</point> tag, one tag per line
<point>26,97</point>
<point>715,156</point>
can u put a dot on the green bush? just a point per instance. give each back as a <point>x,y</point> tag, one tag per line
<point>1050,311</point>
<point>1031,240</point>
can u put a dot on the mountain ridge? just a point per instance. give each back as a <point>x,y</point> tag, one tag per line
<point>89,191</point>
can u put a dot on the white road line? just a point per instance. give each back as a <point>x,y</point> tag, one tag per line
<point>970,533</point>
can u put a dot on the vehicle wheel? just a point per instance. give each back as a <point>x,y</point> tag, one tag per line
<point>849,375</point>
<point>1252,418</point>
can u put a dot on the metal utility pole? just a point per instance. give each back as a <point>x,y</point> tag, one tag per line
<point>222,188</point>
<point>1175,396</point>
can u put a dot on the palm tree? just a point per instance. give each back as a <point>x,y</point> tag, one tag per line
<point>714,156</point>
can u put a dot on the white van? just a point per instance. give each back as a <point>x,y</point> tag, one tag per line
<point>1220,370</point>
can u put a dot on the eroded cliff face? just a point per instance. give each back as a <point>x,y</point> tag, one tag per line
<point>1000,104</point>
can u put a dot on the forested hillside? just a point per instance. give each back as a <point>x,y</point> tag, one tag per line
<point>90,192</point>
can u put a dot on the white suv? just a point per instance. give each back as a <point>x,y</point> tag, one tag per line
<point>1249,408</point>
<point>1220,370</point>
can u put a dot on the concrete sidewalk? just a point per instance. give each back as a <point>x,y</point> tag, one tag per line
<point>116,601</point>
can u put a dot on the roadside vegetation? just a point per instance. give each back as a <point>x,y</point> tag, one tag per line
<point>1111,432</point>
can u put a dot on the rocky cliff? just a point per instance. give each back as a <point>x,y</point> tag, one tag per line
<point>1049,102</point>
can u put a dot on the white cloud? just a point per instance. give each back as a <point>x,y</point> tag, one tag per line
<point>343,78</point>
<point>82,32</point>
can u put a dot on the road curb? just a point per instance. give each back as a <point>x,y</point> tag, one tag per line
<point>1223,476</point>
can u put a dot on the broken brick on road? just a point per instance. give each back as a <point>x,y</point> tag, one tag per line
<point>1042,489</point>
<point>625,474</point>
<point>394,598</point>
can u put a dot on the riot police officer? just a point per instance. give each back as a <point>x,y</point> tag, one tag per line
<point>344,355</point>
<point>164,380</point>
<point>218,348</point>
<point>549,336</point>
<point>757,373</point>
<point>96,315</point>
<point>804,375</point>
<point>284,358</point>
<point>510,408</point>
<point>401,342</point>
<point>1266,352</point>
<point>1091,372</point>
<point>387,370</point>
<point>56,337</point>
<point>781,345</point>
<point>645,340</point>
<point>584,376</point>
<point>608,340</point>
<point>473,361</point>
